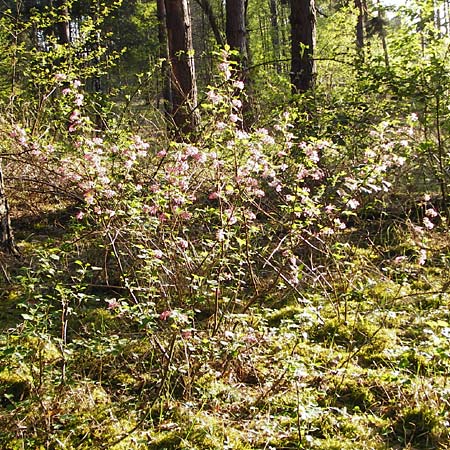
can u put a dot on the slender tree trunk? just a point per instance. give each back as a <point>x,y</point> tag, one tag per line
<point>303,39</point>
<point>383,34</point>
<point>361,7</point>
<point>209,13</point>
<point>164,55</point>
<point>63,24</point>
<point>236,32</point>
<point>7,243</point>
<point>236,29</point>
<point>183,81</point>
<point>447,16</point>
<point>275,33</point>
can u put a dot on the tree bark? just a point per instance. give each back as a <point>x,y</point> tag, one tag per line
<point>63,24</point>
<point>164,55</point>
<point>236,32</point>
<point>181,57</point>
<point>209,13</point>
<point>361,7</point>
<point>303,39</point>
<point>275,33</point>
<point>7,243</point>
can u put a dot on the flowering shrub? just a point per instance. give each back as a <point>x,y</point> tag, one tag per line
<point>217,224</point>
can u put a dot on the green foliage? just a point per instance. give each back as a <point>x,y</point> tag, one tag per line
<point>281,286</point>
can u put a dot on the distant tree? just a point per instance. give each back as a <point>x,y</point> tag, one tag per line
<point>182,67</point>
<point>7,243</point>
<point>361,8</point>
<point>63,23</point>
<point>236,31</point>
<point>164,55</point>
<point>275,33</point>
<point>303,40</point>
<point>212,19</point>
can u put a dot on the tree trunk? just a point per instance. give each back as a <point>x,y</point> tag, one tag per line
<point>383,33</point>
<point>235,25</point>
<point>236,31</point>
<point>275,33</point>
<point>183,81</point>
<point>164,55</point>
<point>209,13</point>
<point>63,24</point>
<point>303,39</point>
<point>7,243</point>
<point>361,7</point>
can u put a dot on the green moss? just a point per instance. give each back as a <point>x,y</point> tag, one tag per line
<point>165,441</point>
<point>421,427</point>
<point>287,313</point>
<point>352,335</point>
<point>351,393</point>
<point>14,387</point>
<point>99,319</point>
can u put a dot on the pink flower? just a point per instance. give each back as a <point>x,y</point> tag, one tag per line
<point>75,115</point>
<point>183,243</point>
<point>200,157</point>
<point>236,103</point>
<point>185,215</point>
<point>220,235</point>
<point>79,99</point>
<point>339,224</point>
<point>112,303</point>
<point>80,215</point>
<point>110,193</point>
<point>353,203</point>
<point>400,259</point>
<point>149,209</point>
<point>428,223</point>
<point>60,77</point>
<point>422,257</point>
<point>213,97</point>
<point>250,215</point>
<point>165,315</point>
<point>89,197</point>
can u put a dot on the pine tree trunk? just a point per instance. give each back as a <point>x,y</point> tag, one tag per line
<point>209,13</point>
<point>183,81</point>
<point>236,29</point>
<point>236,33</point>
<point>361,8</point>
<point>275,33</point>
<point>63,25</point>
<point>7,243</point>
<point>164,55</point>
<point>303,40</point>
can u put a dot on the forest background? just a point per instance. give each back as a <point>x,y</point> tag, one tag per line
<point>224,224</point>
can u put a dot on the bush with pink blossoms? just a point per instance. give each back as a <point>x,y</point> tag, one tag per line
<point>218,224</point>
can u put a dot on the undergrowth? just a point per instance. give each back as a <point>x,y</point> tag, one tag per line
<point>281,287</point>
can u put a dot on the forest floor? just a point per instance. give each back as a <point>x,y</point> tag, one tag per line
<point>361,364</point>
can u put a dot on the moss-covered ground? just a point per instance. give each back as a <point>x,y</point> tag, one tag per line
<point>361,363</point>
